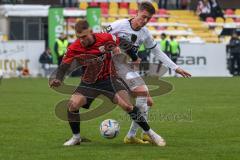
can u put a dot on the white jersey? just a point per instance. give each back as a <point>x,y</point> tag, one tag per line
<point>122,28</point>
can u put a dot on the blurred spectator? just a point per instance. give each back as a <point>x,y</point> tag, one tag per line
<point>69,3</point>
<point>144,55</point>
<point>25,72</point>
<point>162,4</point>
<point>209,8</point>
<point>60,47</point>
<point>185,4</point>
<point>174,49</point>
<point>204,9</point>
<point>22,72</point>
<point>164,44</point>
<point>173,4</point>
<point>216,10</point>
<point>46,59</point>
<point>233,50</point>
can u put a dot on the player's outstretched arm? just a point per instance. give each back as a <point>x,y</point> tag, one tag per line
<point>168,62</point>
<point>58,78</point>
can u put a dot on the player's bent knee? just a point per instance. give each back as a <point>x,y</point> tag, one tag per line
<point>77,100</point>
<point>72,106</point>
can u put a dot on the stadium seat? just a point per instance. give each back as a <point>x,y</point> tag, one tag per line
<point>113,5</point>
<point>103,19</point>
<point>212,39</point>
<point>210,19</point>
<point>237,12</point>
<point>237,20</point>
<point>83,5</point>
<point>111,19</point>
<point>229,20</point>
<point>104,11</point>
<point>123,11</point>
<point>132,12</point>
<point>229,12</point>
<point>133,5</point>
<point>172,20</point>
<point>181,29</point>
<point>171,28</point>
<point>162,20</point>
<point>162,12</point>
<point>151,28</point>
<point>104,5</point>
<point>93,4</point>
<point>113,11</point>
<point>153,19</point>
<point>219,20</point>
<point>123,5</point>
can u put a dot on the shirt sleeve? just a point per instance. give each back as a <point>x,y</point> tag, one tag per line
<point>113,28</point>
<point>149,42</point>
<point>69,56</point>
<point>156,51</point>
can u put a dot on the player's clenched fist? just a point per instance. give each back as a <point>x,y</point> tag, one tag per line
<point>55,83</point>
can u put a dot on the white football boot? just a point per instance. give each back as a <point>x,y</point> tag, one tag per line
<point>157,139</point>
<point>72,141</point>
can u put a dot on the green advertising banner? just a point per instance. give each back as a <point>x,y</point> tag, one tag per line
<point>55,28</point>
<point>94,19</point>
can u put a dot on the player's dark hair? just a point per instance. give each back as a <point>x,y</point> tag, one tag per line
<point>147,6</point>
<point>81,25</point>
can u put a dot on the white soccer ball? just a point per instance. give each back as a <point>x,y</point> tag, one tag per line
<point>109,128</point>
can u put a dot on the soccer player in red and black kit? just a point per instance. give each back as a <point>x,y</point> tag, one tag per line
<point>97,49</point>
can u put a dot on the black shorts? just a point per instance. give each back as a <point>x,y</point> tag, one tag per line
<point>108,87</point>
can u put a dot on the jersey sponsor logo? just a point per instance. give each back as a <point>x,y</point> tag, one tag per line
<point>192,60</point>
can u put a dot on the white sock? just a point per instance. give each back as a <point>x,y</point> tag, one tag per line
<point>77,136</point>
<point>150,132</point>
<point>133,130</point>
<point>141,103</point>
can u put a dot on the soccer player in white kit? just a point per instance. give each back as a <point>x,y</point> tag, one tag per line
<point>134,32</point>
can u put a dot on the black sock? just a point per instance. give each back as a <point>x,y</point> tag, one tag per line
<point>136,115</point>
<point>74,121</point>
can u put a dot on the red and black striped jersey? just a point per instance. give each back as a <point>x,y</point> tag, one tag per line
<point>96,59</point>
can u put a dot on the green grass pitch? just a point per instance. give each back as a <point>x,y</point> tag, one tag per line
<point>200,119</point>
